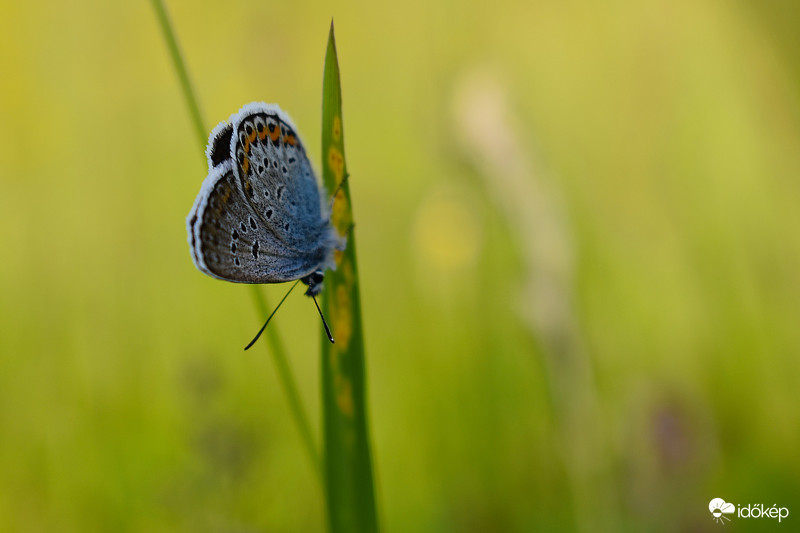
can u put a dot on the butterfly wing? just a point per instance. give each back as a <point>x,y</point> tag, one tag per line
<point>219,145</point>
<point>258,217</point>
<point>274,173</point>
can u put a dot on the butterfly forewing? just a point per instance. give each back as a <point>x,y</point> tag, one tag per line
<point>219,145</point>
<point>276,177</point>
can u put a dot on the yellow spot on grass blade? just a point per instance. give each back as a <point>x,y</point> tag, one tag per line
<point>337,128</point>
<point>343,320</point>
<point>344,396</point>
<point>341,214</point>
<point>336,163</point>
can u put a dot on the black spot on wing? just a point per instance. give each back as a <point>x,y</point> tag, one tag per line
<point>221,146</point>
<point>191,228</point>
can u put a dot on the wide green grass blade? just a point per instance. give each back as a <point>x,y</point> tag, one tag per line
<point>348,467</point>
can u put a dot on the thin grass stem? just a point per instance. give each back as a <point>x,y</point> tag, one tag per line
<point>277,351</point>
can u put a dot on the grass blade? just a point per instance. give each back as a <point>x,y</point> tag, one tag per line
<point>348,466</point>
<point>180,69</point>
<point>277,351</point>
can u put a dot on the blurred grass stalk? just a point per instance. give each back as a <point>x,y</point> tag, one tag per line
<point>491,144</point>
<point>349,486</point>
<point>278,353</point>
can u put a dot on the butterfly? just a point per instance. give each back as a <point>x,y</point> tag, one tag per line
<point>259,216</point>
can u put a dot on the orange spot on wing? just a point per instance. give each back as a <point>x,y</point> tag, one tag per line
<point>276,133</point>
<point>252,136</point>
<point>246,165</point>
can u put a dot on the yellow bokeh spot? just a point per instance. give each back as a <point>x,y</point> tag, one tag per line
<point>336,163</point>
<point>447,231</point>
<point>337,128</point>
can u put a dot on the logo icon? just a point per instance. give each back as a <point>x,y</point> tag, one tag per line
<point>719,508</point>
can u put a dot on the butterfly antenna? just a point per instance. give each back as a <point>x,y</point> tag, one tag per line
<point>327,330</point>
<point>252,342</point>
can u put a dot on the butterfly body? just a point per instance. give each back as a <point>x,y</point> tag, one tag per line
<point>259,216</point>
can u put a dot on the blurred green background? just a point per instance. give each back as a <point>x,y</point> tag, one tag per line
<point>579,247</point>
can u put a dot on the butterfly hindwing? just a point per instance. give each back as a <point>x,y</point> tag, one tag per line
<point>230,242</point>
